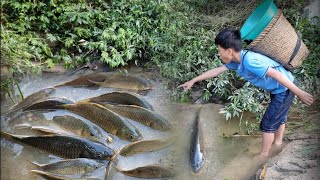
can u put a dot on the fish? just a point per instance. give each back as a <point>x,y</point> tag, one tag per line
<point>52,176</point>
<point>77,126</point>
<point>28,117</point>
<point>125,98</point>
<point>34,97</point>
<point>148,172</point>
<point>144,146</point>
<point>70,147</point>
<point>142,115</point>
<point>47,103</point>
<point>71,166</point>
<point>68,125</point>
<point>121,81</point>
<point>83,80</point>
<point>197,155</point>
<point>104,118</point>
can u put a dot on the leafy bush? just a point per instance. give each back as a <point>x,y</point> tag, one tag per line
<point>74,32</point>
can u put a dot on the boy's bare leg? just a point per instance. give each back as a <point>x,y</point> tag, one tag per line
<point>279,134</point>
<point>267,140</point>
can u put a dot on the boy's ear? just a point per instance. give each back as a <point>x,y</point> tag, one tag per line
<point>230,50</point>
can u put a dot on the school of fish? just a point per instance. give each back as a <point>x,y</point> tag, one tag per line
<point>80,143</point>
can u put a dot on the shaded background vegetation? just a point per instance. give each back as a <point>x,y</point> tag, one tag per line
<point>177,36</point>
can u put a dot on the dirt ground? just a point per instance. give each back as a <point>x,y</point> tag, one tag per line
<point>300,157</point>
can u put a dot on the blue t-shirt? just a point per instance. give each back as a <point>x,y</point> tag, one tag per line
<point>254,67</point>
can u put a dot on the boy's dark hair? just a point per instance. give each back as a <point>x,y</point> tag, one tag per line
<point>229,38</point>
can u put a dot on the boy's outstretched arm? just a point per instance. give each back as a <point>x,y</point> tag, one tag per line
<point>206,75</point>
<point>302,95</point>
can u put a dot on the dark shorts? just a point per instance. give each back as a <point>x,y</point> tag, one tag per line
<point>277,111</point>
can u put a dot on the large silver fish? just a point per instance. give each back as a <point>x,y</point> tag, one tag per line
<point>197,154</point>
<point>71,166</point>
<point>125,98</point>
<point>65,146</point>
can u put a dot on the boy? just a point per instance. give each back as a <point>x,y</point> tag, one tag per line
<point>262,72</point>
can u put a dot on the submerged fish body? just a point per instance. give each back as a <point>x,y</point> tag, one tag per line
<point>142,115</point>
<point>39,95</point>
<point>50,103</point>
<point>52,176</point>
<point>122,81</point>
<point>106,119</point>
<point>144,146</point>
<point>65,146</point>
<point>83,80</point>
<point>124,98</point>
<point>150,171</point>
<point>78,127</point>
<point>71,166</point>
<point>197,158</point>
<point>30,117</point>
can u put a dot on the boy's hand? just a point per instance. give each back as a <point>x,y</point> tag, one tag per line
<point>187,85</point>
<point>305,97</point>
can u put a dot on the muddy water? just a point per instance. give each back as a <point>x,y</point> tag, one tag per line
<point>232,158</point>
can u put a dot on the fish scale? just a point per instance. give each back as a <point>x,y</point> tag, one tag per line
<point>122,98</point>
<point>77,126</point>
<point>66,146</point>
<point>150,171</point>
<point>71,166</point>
<point>141,115</point>
<point>144,146</point>
<point>106,119</point>
<point>31,99</point>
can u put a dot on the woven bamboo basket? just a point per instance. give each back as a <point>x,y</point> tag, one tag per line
<point>281,42</point>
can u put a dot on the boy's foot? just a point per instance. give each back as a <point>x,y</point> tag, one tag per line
<point>264,154</point>
<point>277,143</point>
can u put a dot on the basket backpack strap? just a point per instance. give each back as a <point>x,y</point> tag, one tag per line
<point>281,65</point>
<point>296,48</point>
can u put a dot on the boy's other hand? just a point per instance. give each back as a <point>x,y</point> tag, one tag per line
<point>187,85</point>
<point>306,98</point>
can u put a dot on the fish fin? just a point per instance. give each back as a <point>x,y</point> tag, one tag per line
<point>35,164</point>
<point>47,175</point>
<point>95,82</point>
<point>47,129</point>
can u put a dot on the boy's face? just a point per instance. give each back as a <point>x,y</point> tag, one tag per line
<point>225,54</point>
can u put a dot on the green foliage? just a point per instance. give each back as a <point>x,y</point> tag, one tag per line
<point>247,98</point>
<point>75,32</point>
